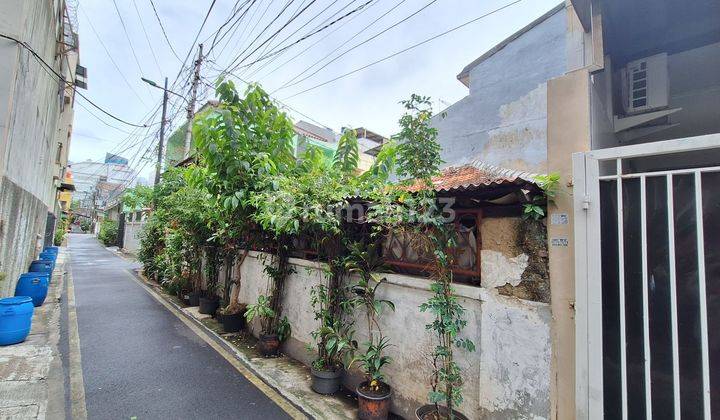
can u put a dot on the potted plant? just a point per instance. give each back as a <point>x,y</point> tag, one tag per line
<point>232,315</point>
<point>374,393</point>
<point>446,379</point>
<point>333,337</point>
<point>210,302</point>
<point>418,161</point>
<point>273,331</point>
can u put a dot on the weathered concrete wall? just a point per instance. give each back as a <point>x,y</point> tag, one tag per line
<point>503,121</point>
<point>507,377</point>
<point>21,215</point>
<point>131,237</point>
<point>31,104</point>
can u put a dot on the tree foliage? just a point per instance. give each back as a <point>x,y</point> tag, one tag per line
<point>250,191</point>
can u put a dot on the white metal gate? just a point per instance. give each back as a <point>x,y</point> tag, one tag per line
<point>647,281</point>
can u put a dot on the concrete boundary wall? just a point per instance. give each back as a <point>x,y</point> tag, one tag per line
<point>131,236</point>
<point>508,376</point>
<point>22,222</point>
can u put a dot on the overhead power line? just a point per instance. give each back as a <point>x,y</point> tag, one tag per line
<point>235,10</point>
<point>70,85</point>
<point>127,36</point>
<point>319,40</point>
<point>406,49</point>
<point>245,34</point>
<point>112,60</point>
<point>162,27</point>
<point>235,26</point>
<point>232,63</point>
<point>275,34</point>
<point>147,38</point>
<point>272,38</point>
<point>290,83</point>
<point>273,53</point>
<point>328,19</point>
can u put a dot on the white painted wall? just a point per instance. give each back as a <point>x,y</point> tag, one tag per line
<point>32,122</point>
<point>131,236</point>
<point>507,377</point>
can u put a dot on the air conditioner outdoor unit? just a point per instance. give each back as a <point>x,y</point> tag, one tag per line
<point>645,84</point>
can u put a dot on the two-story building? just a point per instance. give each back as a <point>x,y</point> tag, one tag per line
<point>622,100</point>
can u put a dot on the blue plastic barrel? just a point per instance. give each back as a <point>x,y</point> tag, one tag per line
<point>48,256</point>
<point>52,249</point>
<point>34,285</point>
<point>41,266</point>
<point>15,319</point>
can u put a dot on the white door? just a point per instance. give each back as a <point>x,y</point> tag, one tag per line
<point>647,249</point>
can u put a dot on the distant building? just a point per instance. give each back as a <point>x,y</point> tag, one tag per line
<point>118,160</point>
<point>307,134</point>
<point>87,174</point>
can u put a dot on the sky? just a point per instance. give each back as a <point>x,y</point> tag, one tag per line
<point>122,41</point>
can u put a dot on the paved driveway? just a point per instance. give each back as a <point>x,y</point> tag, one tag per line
<point>139,360</point>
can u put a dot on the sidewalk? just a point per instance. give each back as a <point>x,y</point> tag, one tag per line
<point>31,372</point>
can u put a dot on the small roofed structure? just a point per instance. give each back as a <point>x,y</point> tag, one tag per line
<point>479,199</point>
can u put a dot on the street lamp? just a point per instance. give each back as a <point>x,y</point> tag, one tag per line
<point>155,85</point>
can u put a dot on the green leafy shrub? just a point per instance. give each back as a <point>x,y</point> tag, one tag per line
<point>108,232</point>
<point>60,230</point>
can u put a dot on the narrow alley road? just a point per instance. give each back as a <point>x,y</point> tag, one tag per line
<point>139,360</point>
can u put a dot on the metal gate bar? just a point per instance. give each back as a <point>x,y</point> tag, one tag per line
<point>589,397</point>
<point>701,288</point>
<point>673,296</point>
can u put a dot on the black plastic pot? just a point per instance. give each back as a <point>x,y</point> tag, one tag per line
<point>326,381</point>
<point>208,306</point>
<point>233,322</point>
<point>421,412</point>
<point>372,405</point>
<point>193,299</point>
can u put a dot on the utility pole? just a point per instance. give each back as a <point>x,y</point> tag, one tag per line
<point>191,103</point>
<point>162,134</point>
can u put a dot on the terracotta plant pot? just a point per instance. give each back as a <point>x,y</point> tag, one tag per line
<point>268,345</point>
<point>373,405</point>
<point>426,412</point>
<point>326,381</point>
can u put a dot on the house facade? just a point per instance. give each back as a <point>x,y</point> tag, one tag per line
<point>620,99</point>
<point>39,72</point>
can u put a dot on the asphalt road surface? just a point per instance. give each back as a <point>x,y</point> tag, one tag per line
<point>139,360</point>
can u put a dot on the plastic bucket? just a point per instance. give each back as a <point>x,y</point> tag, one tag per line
<point>34,285</point>
<point>41,266</point>
<point>15,319</point>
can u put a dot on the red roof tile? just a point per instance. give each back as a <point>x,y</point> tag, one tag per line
<point>475,176</point>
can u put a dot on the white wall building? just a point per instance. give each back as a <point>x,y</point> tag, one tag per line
<point>39,71</point>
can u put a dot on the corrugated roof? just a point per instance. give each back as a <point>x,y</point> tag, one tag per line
<point>476,175</point>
